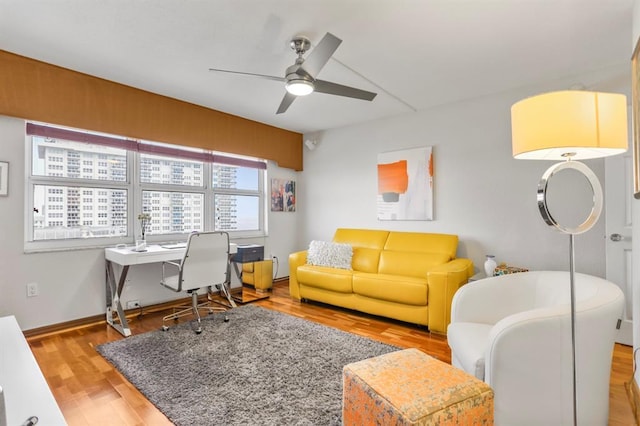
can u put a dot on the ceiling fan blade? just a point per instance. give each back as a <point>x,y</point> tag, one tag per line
<point>270,77</point>
<point>322,86</point>
<point>286,102</point>
<point>320,54</point>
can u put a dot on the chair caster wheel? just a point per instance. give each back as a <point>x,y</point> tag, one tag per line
<point>226,319</point>
<point>164,328</point>
<point>198,331</point>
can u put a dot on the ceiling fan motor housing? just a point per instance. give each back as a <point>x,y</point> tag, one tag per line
<point>300,44</point>
<point>300,78</point>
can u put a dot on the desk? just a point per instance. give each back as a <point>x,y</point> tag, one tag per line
<point>126,257</point>
<point>24,388</point>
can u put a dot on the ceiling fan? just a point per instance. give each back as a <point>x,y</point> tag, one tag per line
<point>300,78</point>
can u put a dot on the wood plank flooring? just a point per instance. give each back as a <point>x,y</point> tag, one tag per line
<point>91,392</point>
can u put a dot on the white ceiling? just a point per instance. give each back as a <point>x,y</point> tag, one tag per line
<point>415,54</point>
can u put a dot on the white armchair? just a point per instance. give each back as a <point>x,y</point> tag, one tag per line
<point>514,332</point>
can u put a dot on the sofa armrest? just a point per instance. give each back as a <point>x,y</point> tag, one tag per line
<point>442,283</point>
<point>296,259</point>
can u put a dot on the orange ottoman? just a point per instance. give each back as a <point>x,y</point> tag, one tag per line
<point>409,387</point>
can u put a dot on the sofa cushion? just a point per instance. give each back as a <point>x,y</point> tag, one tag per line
<point>392,288</point>
<point>365,259</point>
<point>419,242</point>
<point>366,243</point>
<point>412,264</point>
<point>365,238</point>
<point>327,278</point>
<point>468,343</point>
<point>335,255</point>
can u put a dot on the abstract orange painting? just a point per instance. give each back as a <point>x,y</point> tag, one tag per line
<point>405,184</point>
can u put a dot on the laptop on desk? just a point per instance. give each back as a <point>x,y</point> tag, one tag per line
<point>174,246</point>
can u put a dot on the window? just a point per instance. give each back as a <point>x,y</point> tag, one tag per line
<point>85,187</point>
<point>179,220</point>
<point>60,191</point>
<point>238,201</point>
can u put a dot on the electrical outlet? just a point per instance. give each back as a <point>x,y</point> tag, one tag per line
<point>32,290</point>
<point>133,304</point>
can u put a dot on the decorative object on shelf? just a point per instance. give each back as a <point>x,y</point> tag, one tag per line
<point>503,269</point>
<point>490,265</point>
<point>567,126</point>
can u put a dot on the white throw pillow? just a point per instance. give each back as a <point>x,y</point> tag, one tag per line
<point>335,255</point>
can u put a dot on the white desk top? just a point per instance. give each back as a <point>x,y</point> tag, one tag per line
<point>25,389</point>
<point>154,253</point>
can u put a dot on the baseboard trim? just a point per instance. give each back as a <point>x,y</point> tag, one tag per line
<point>633,393</point>
<point>100,319</point>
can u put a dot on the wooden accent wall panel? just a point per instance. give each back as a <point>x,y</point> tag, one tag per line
<point>35,90</point>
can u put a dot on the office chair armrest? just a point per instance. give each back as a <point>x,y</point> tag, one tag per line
<point>175,264</point>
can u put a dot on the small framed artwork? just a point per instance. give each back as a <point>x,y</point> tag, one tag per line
<point>283,195</point>
<point>4,178</point>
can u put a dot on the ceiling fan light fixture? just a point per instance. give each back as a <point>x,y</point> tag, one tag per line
<point>299,87</point>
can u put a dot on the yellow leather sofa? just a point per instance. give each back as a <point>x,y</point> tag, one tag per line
<point>408,276</point>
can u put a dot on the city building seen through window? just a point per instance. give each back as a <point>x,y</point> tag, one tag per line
<point>86,186</point>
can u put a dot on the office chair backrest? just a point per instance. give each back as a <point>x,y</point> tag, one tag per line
<point>206,260</point>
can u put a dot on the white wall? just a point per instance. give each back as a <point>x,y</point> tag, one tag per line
<point>72,283</point>
<point>480,192</point>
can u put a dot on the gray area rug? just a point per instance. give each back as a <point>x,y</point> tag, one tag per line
<point>260,368</point>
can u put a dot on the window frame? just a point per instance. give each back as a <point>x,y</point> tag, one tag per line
<point>260,192</point>
<point>163,187</point>
<point>135,188</point>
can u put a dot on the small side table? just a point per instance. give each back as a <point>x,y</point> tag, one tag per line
<point>258,274</point>
<point>248,267</point>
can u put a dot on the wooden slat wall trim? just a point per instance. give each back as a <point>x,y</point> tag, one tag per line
<point>39,91</point>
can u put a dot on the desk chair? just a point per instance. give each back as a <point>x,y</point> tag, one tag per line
<point>205,264</point>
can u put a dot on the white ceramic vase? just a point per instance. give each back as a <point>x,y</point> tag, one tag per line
<point>490,265</point>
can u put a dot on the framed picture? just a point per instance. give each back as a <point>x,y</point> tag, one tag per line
<point>4,178</point>
<point>635,113</point>
<point>405,184</point>
<point>283,195</point>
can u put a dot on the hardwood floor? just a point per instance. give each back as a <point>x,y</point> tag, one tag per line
<point>91,392</point>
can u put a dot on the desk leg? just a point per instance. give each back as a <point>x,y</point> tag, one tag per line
<point>238,272</point>
<point>113,299</point>
<point>224,290</point>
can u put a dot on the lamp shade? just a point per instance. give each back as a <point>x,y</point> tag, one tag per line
<point>575,124</point>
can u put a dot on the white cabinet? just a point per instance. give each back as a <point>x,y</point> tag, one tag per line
<point>24,388</point>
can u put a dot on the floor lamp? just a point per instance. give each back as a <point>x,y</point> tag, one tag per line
<point>568,126</point>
